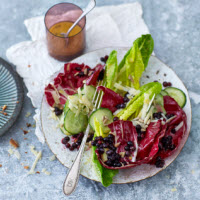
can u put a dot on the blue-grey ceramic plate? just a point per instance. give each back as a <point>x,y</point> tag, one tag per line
<point>11,95</point>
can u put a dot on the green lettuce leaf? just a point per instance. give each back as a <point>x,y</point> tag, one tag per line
<point>137,103</point>
<point>135,61</point>
<point>111,69</point>
<point>105,175</point>
<point>142,89</point>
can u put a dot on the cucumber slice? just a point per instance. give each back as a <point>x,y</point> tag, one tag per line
<point>100,114</point>
<point>64,131</point>
<point>89,91</point>
<point>75,124</point>
<point>159,100</point>
<point>164,93</point>
<point>178,95</point>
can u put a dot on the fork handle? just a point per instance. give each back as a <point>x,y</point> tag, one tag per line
<point>73,174</point>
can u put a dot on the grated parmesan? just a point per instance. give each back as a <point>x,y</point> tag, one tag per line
<point>52,158</point>
<point>46,172</point>
<point>38,157</point>
<point>33,150</point>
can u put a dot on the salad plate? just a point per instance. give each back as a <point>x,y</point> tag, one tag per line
<point>156,71</point>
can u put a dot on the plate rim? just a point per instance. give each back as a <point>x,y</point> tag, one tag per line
<point>20,96</point>
<point>123,48</point>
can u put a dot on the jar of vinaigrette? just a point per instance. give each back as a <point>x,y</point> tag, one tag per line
<point>58,20</point>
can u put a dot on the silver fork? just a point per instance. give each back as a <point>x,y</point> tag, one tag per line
<point>73,174</point>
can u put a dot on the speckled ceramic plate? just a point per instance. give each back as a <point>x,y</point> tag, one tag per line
<point>11,95</point>
<point>156,70</point>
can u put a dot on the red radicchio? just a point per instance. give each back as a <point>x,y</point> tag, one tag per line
<point>151,146</point>
<point>69,81</point>
<point>92,80</point>
<point>180,119</point>
<point>110,99</point>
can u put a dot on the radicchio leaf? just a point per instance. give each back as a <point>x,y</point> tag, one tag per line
<point>69,82</point>
<point>172,107</point>
<point>92,80</point>
<point>156,143</point>
<point>110,99</point>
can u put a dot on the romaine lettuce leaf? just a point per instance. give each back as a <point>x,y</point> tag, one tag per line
<point>142,90</point>
<point>138,102</point>
<point>105,175</point>
<point>111,69</point>
<point>135,61</point>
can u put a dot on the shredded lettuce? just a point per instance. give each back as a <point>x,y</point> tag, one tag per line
<point>105,175</point>
<point>135,61</point>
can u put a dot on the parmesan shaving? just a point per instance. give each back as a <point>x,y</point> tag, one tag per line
<point>52,158</point>
<point>33,150</point>
<point>17,154</point>
<point>179,126</point>
<point>44,170</point>
<point>38,157</point>
<point>10,151</point>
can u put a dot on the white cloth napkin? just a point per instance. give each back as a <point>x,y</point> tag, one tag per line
<point>106,26</point>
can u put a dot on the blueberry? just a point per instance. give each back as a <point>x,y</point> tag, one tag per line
<point>93,143</point>
<point>127,154</point>
<point>101,75</point>
<point>100,150</point>
<point>68,145</point>
<point>165,84</point>
<point>130,143</point>
<point>173,131</point>
<point>108,162</point>
<point>159,162</point>
<point>117,164</point>
<point>115,118</point>
<point>105,145</point>
<point>106,139</point>
<point>81,74</point>
<point>123,105</point>
<point>102,59</point>
<point>126,99</point>
<point>74,145</point>
<point>106,57</point>
<point>126,148</point>
<point>65,140</point>
<point>77,68</point>
<point>109,152</point>
<point>132,148</point>
<point>111,136</point>
<point>172,147</point>
<point>71,148</point>
<point>58,111</point>
<point>138,128</point>
<point>117,156</point>
<point>169,116</point>
<point>118,106</point>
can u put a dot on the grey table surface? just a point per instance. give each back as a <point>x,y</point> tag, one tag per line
<point>175,27</point>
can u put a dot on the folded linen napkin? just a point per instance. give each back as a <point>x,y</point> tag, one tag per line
<point>106,26</point>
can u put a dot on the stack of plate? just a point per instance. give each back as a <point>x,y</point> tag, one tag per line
<point>11,96</point>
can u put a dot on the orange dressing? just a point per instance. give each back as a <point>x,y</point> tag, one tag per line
<point>63,27</point>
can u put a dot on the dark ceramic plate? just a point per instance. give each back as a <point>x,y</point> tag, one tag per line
<point>11,95</point>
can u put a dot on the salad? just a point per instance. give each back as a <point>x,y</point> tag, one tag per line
<point>136,124</point>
